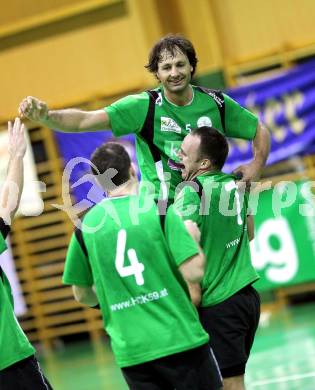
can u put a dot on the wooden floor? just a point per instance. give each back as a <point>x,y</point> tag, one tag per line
<point>283,357</point>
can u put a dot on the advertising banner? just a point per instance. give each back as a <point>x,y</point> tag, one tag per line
<point>286,105</point>
<point>283,251</point>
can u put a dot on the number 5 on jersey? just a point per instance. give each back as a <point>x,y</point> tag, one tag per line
<point>135,268</point>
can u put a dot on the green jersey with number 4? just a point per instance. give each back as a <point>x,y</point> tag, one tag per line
<point>220,210</point>
<point>161,126</point>
<point>145,303</point>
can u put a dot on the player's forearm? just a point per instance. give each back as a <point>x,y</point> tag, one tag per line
<point>193,268</point>
<point>195,293</point>
<point>12,188</point>
<point>70,120</point>
<point>250,227</point>
<point>198,269</point>
<point>261,145</point>
<point>85,295</point>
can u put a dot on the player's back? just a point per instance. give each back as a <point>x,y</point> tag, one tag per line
<point>144,300</point>
<point>224,239</point>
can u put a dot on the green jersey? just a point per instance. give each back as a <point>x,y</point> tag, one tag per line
<point>14,345</point>
<point>220,210</point>
<point>143,298</point>
<point>160,127</point>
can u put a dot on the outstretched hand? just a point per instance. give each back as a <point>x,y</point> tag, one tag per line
<point>33,109</point>
<point>17,141</point>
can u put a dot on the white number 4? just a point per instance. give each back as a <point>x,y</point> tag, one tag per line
<point>135,268</point>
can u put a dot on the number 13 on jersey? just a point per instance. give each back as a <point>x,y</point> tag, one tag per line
<point>135,268</point>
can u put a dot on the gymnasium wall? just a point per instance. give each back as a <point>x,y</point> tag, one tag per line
<point>71,51</point>
<point>87,53</point>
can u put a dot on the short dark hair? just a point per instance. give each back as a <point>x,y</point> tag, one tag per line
<point>171,43</point>
<point>213,145</point>
<point>111,155</point>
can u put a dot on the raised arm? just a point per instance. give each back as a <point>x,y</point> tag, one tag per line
<point>68,120</point>
<point>261,147</point>
<point>13,185</point>
<point>250,227</point>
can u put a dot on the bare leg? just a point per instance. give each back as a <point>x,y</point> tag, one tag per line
<point>234,383</point>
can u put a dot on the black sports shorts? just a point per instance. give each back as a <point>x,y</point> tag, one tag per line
<point>24,375</point>
<point>232,325</point>
<point>195,369</point>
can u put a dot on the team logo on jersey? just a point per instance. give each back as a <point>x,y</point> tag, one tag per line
<point>204,121</point>
<point>168,124</point>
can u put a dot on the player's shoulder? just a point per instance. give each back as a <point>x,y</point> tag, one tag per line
<point>226,180</point>
<point>204,89</point>
<point>199,89</point>
<point>187,191</point>
<point>140,96</point>
<point>229,177</point>
<point>215,94</point>
<point>137,98</point>
<point>96,209</point>
<point>213,178</point>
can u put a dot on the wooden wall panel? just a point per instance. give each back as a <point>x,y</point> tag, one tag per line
<point>252,29</point>
<point>74,68</point>
<point>18,10</point>
<point>200,27</point>
<point>101,58</point>
<point>99,48</point>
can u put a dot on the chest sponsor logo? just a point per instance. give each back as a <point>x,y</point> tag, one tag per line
<point>168,124</point>
<point>204,121</point>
